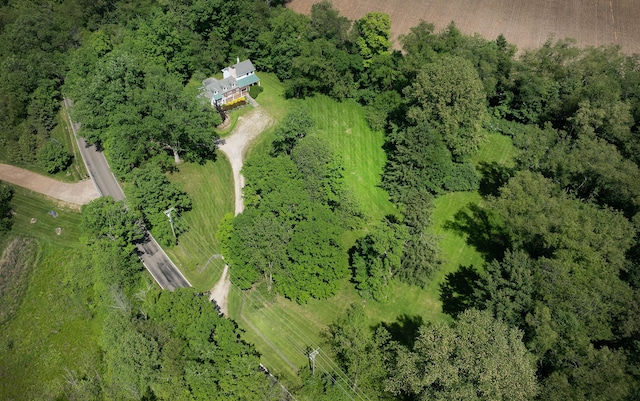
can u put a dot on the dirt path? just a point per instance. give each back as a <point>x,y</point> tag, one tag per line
<point>234,147</point>
<point>220,292</point>
<point>76,194</point>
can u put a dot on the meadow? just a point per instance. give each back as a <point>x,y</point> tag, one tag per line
<point>210,186</point>
<point>51,335</point>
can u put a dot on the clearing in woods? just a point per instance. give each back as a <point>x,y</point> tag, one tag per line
<point>526,23</point>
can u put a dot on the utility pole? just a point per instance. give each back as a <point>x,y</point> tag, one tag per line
<point>312,359</point>
<point>168,214</point>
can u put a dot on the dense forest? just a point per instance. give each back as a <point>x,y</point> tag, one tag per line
<point>551,315</point>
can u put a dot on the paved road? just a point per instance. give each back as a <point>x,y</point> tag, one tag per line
<point>152,255</point>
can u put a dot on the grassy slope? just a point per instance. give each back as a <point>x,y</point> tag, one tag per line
<point>211,189</point>
<point>343,124</point>
<point>52,331</point>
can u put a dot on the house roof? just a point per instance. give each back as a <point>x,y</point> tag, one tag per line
<point>215,88</point>
<point>248,80</point>
<point>244,67</point>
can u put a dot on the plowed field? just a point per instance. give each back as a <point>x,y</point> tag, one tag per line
<point>527,23</point>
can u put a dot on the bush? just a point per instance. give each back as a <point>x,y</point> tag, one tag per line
<point>463,177</point>
<point>241,101</point>
<point>53,157</point>
<point>255,90</point>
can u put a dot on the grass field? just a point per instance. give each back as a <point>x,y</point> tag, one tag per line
<point>283,330</point>
<point>52,332</point>
<point>210,187</point>
<point>344,126</point>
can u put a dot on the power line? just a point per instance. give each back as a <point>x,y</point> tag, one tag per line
<point>295,329</point>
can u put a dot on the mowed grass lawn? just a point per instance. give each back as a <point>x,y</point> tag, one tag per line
<point>52,332</point>
<point>344,126</point>
<point>210,187</point>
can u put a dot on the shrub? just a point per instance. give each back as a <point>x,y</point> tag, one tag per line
<point>53,157</point>
<point>255,90</point>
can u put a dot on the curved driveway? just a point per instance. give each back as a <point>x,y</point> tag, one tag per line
<point>235,146</point>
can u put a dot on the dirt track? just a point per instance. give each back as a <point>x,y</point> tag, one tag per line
<point>235,145</point>
<point>220,292</point>
<point>77,194</point>
<point>526,23</point>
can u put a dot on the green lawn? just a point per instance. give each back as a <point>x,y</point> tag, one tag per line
<point>28,205</point>
<point>52,332</point>
<point>272,97</point>
<point>344,126</point>
<point>498,148</point>
<point>210,187</point>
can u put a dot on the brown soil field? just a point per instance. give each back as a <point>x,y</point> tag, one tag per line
<point>526,23</point>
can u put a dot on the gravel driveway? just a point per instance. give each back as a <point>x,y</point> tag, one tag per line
<point>235,146</point>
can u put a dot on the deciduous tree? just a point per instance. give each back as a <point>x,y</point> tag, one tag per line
<point>449,95</point>
<point>474,358</point>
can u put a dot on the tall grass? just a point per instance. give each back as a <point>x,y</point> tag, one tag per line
<point>52,333</point>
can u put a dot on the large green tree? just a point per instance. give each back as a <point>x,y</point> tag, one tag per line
<point>374,33</point>
<point>376,258</point>
<point>6,193</point>
<point>449,95</point>
<point>476,357</point>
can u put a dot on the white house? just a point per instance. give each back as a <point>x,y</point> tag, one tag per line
<point>235,83</point>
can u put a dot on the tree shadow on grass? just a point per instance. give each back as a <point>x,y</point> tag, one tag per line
<point>494,176</point>
<point>405,329</point>
<point>457,290</point>
<point>481,231</point>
